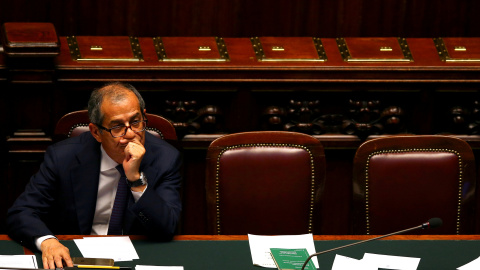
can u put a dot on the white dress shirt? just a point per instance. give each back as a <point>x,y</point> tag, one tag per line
<point>107,189</point>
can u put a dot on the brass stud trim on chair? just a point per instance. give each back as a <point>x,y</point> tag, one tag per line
<point>460,179</point>
<point>74,127</point>
<point>312,183</point>
<point>157,131</point>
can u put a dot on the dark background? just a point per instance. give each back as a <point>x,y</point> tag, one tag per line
<point>246,18</point>
<point>36,93</point>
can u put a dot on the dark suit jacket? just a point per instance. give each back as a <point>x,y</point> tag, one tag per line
<point>61,197</point>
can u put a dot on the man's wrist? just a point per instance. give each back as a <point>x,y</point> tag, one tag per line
<point>39,240</point>
<point>141,181</point>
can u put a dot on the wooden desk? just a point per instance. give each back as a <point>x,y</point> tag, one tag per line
<point>233,252</point>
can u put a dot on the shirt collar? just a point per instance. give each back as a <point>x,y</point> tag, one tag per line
<point>107,163</point>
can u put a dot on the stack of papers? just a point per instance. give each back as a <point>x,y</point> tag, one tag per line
<point>260,247</point>
<point>118,248</point>
<point>372,261</point>
<point>18,261</point>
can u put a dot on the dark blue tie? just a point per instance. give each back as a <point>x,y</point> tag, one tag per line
<point>116,220</point>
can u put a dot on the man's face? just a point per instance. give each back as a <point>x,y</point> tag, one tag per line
<point>119,113</point>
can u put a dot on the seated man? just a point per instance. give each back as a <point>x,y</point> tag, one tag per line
<point>78,188</point>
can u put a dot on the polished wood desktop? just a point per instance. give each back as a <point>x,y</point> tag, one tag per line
<point>233,251</point>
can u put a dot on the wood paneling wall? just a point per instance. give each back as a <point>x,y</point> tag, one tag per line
<point>245,18</point>
<point>424,91</point>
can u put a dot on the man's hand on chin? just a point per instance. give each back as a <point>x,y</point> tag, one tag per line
<point>134,152</point>
<point>55,254</point>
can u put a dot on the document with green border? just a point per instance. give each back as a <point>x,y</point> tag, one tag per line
<point>291,259</point>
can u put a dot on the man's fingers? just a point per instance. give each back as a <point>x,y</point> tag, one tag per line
<point>136,140</point>
<point>50,263</point>
<point>135,147</point>
<point>54,253</point>
<point>134,150</point>
<point>45,263</point>
<point>65,257</point>
<point>68,261</point>
<point>58,261</point>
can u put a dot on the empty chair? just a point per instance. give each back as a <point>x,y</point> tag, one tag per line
<point>265,182</point>
<point>402,181</point>
<point>75,123</point>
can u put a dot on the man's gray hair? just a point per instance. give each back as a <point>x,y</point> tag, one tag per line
<point>115,91</point>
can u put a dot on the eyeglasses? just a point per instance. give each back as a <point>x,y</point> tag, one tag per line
<point>120,131</point>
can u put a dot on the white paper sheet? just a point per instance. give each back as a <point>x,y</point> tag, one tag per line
<point>347,263</point>
<point>371,261</point>
<point>154,267</point>
<point>118,248</point>
<point>20,261</point>
<point>475,264</point>
<point>260,247</point>
<point>392,262</point>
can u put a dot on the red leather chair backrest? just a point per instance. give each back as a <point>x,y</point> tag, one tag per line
<point>75,123</point>
<point>265,182</point>
<point>402,181</point>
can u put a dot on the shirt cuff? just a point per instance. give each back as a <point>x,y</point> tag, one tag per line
<point>138,194</point>
<point>39,240</point>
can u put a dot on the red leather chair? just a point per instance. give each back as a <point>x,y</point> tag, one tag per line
<point>402,181</point>
<point>265,182</point>
<point>75,123</point>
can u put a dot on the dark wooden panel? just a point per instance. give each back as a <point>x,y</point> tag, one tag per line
<point>341,103</point>
<point>324,18</point>
<point>3,70</point>
<point>23,40</point>
<point>244,67</point>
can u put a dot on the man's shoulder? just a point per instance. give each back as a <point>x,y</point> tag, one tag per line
<point>154,143</point>
<point>69,150</point>
<point>76,142</point>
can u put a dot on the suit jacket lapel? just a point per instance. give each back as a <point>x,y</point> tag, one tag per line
<point>85,177</point>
